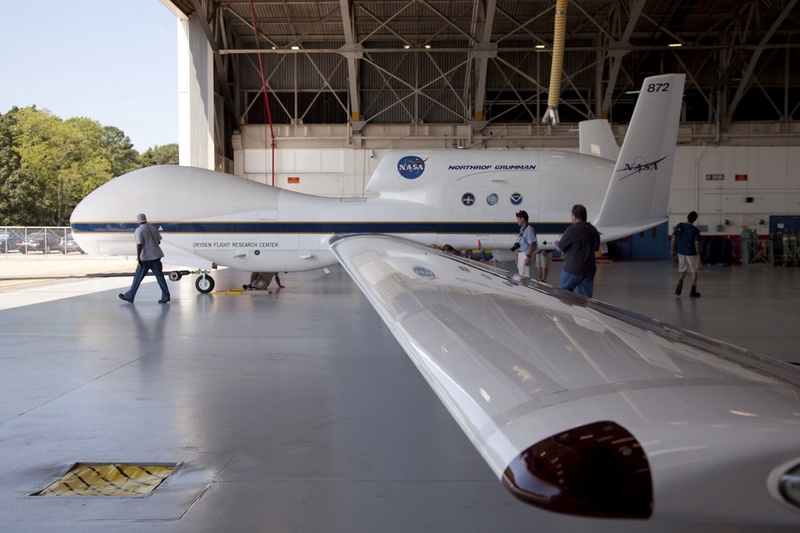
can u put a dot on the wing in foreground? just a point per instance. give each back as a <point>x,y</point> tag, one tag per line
<point>584,408</point>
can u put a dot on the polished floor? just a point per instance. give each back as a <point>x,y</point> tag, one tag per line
<point>286,411</point>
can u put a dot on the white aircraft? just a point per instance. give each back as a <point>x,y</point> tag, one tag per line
<point>577,406</point>
<point>586,409</point>
<point>465,198</point>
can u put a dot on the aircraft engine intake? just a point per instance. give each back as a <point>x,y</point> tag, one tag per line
<point>597,470</point>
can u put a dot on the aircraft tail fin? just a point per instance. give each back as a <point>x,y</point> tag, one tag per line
<point>597,139</point>
<point>638,194</point>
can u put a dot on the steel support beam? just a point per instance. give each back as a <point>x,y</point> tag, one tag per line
<point>220,72</point>
<point>483,53</point>
<point>617,55</point>
<point>748,72</point>
<point>352,51</point>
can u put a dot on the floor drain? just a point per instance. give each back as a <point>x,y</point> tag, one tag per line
<point>115,479</point>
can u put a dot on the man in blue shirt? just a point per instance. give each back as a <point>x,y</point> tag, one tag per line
<point>686,247</point>
<point>527,244</point>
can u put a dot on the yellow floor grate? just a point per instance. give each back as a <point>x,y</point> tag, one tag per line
<point>115,479</point>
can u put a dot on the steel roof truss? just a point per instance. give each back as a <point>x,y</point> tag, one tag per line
<point>748,72</point>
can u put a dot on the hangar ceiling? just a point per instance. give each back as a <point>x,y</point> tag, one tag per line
<point>487,62</point>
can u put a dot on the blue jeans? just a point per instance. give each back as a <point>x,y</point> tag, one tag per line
<point>141,272</point>
<point>585,284</point>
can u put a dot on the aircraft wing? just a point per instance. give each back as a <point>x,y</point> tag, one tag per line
<point>584,408</point>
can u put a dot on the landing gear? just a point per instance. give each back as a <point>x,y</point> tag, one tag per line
<point>204,284</point>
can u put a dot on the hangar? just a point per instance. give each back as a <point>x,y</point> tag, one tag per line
<point>296,410</point>
<point>347,80</point>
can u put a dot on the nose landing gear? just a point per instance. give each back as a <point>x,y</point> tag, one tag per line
<point>204,283</point>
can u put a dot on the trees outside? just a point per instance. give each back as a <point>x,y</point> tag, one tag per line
<point>160,155</point>
<point>48,165</point>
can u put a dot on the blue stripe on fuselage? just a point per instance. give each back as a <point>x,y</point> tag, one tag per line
<point>326,228</point>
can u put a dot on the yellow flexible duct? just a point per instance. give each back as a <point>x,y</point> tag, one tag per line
<point>559,36</point>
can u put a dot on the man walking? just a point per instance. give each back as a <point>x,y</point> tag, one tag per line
<point>686,247</point>
<point>578,244</point>
<point>148,257</point>
<point>526,242</point>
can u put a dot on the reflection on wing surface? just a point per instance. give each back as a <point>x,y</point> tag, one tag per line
<point>518,363</point>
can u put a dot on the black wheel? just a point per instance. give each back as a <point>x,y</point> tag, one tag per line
<point>204,284</point>
<point>174,275</point>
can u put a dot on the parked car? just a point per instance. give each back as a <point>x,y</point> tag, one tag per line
<point>67,244</point>
<point>10,241</point>
<point>42,241</point>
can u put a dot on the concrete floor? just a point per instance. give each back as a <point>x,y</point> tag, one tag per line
<point>288,411</point>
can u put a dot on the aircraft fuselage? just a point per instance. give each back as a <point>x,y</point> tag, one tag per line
<point>249,226</point>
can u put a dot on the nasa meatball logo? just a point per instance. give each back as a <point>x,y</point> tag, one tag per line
<point>423,272</point>
<point>411,167</point>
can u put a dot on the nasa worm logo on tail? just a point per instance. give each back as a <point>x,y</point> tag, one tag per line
<point>638,166</point>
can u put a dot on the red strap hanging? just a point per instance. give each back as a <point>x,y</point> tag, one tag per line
<point>264,90</point>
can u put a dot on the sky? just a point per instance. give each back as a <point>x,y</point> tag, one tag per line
<point>113,61</point>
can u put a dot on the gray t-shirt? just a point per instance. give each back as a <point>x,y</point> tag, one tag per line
<point>148,236</point>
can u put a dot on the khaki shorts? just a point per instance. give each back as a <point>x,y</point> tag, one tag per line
<point>687,262</point>
<point>522,268</point>
<point>543,259</point>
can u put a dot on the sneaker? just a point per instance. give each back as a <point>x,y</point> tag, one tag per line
<point>694,294</point>
<point>679,288</point>
<point>123,297</point>
<point>164,301</point>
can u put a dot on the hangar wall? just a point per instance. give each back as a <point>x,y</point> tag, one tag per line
<point>195,95</point>
<point>735,187</point>
<point>704,177</point>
